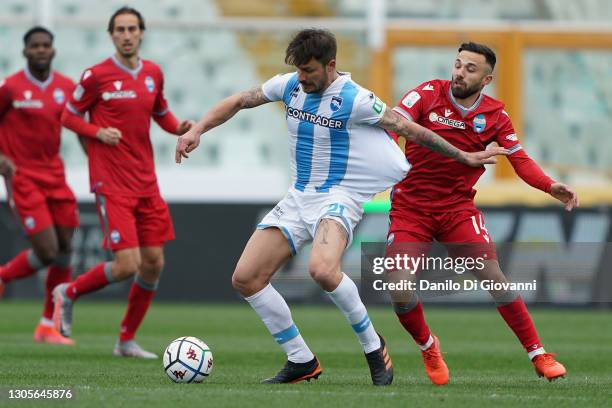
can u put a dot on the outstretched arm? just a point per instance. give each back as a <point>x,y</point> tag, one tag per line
<point>529,171</point>
<point>425,137</point>
<point>219,114</point>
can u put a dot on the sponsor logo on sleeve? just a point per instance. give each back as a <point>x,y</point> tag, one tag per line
<point>410,99</point>
<point>78,92</point>
<point>512,138</point>
<point>378,105</point>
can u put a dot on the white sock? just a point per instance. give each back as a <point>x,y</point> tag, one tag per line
<point>346,297</point>
<point>536,352</point>
<point>275,314</point>
<point>427,344</point>
<point>46,322</point>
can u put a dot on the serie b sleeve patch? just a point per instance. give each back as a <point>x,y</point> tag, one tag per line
<point>410,99</point>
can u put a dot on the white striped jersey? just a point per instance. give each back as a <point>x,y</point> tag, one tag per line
<point>334,141</point>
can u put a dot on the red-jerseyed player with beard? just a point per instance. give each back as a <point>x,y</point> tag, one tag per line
<point>31,105</point>
<point>121,94</point>
<point>435,200</point>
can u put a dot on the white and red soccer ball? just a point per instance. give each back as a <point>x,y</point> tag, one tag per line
<point>188,360</point>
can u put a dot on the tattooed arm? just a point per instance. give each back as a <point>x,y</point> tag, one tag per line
<point>218,115</point>
<point>425,137</point>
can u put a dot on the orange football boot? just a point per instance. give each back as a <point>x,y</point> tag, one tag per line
<point>546,366</point>
<point>435,367</point>
<point>49,335</point>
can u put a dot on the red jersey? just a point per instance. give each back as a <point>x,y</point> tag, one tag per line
<point>30,126</point>
<point>437,183</point>
<point>123,98</point>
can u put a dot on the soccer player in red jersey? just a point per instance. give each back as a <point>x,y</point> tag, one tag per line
<point>435,200</point>
<point>121,94</point>
<point>31,104</point>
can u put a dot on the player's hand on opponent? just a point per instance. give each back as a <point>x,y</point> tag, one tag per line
<point>566,195</point>
<point>109,135</point>
<point>7,167</point>
<point>186,143</point>
<point>477,159</point>
<point>184,127</point>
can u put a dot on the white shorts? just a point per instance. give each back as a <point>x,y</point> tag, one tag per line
<point>298,214</point>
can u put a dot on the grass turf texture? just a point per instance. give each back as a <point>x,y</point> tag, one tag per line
<point>488,366</point>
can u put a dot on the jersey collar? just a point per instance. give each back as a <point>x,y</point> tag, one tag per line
<point>41,84</point>
<point>464,111</point>
<point>133,72</point>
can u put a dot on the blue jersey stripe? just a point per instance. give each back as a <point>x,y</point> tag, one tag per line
<point>339,139</point>
<point>305,142</point>
<point>289,87</point>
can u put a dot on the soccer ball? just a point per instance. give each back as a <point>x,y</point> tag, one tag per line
<point>188,359</point>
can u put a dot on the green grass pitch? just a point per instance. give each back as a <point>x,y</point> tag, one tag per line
<point>487,364</point>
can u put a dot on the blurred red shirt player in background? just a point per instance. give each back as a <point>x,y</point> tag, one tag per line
<point>121,95</point>
<point>435,200</point>
<point>31,105</point>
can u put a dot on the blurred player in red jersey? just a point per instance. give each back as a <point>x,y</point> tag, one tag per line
<point>31,104</point>
<point>435,200</point>
<point>121,94</point>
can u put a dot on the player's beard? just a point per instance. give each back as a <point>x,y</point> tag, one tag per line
<point>40,66</point>
<point>316,87</point>
<point>465,92</point>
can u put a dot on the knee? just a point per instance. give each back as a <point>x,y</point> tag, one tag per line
<point>66,247</point>
<point>47,255</point>
<point>153,265</point>
<point>323,270</point>
<point>125,269</point>
<point>246,281</point>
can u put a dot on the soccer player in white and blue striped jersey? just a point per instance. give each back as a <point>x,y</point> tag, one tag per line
<point>341,156</point>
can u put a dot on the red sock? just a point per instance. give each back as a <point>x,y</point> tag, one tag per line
<point>518,319</point>
<point>92,280</point>
<point>17,268</point>
<point>138,304</point>
<point>55,276</point>
<point>414,323</point>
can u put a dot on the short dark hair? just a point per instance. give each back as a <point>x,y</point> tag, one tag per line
<point>36,30</point>
<point>311,43</point>
<point>482,50</point>
<point>126,10</point>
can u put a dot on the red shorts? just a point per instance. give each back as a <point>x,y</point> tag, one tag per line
<point>40,207</point>
<point>463,232</point>
<point>131,222</point>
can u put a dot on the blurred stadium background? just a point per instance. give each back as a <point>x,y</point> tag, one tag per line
<point>553,72</point>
